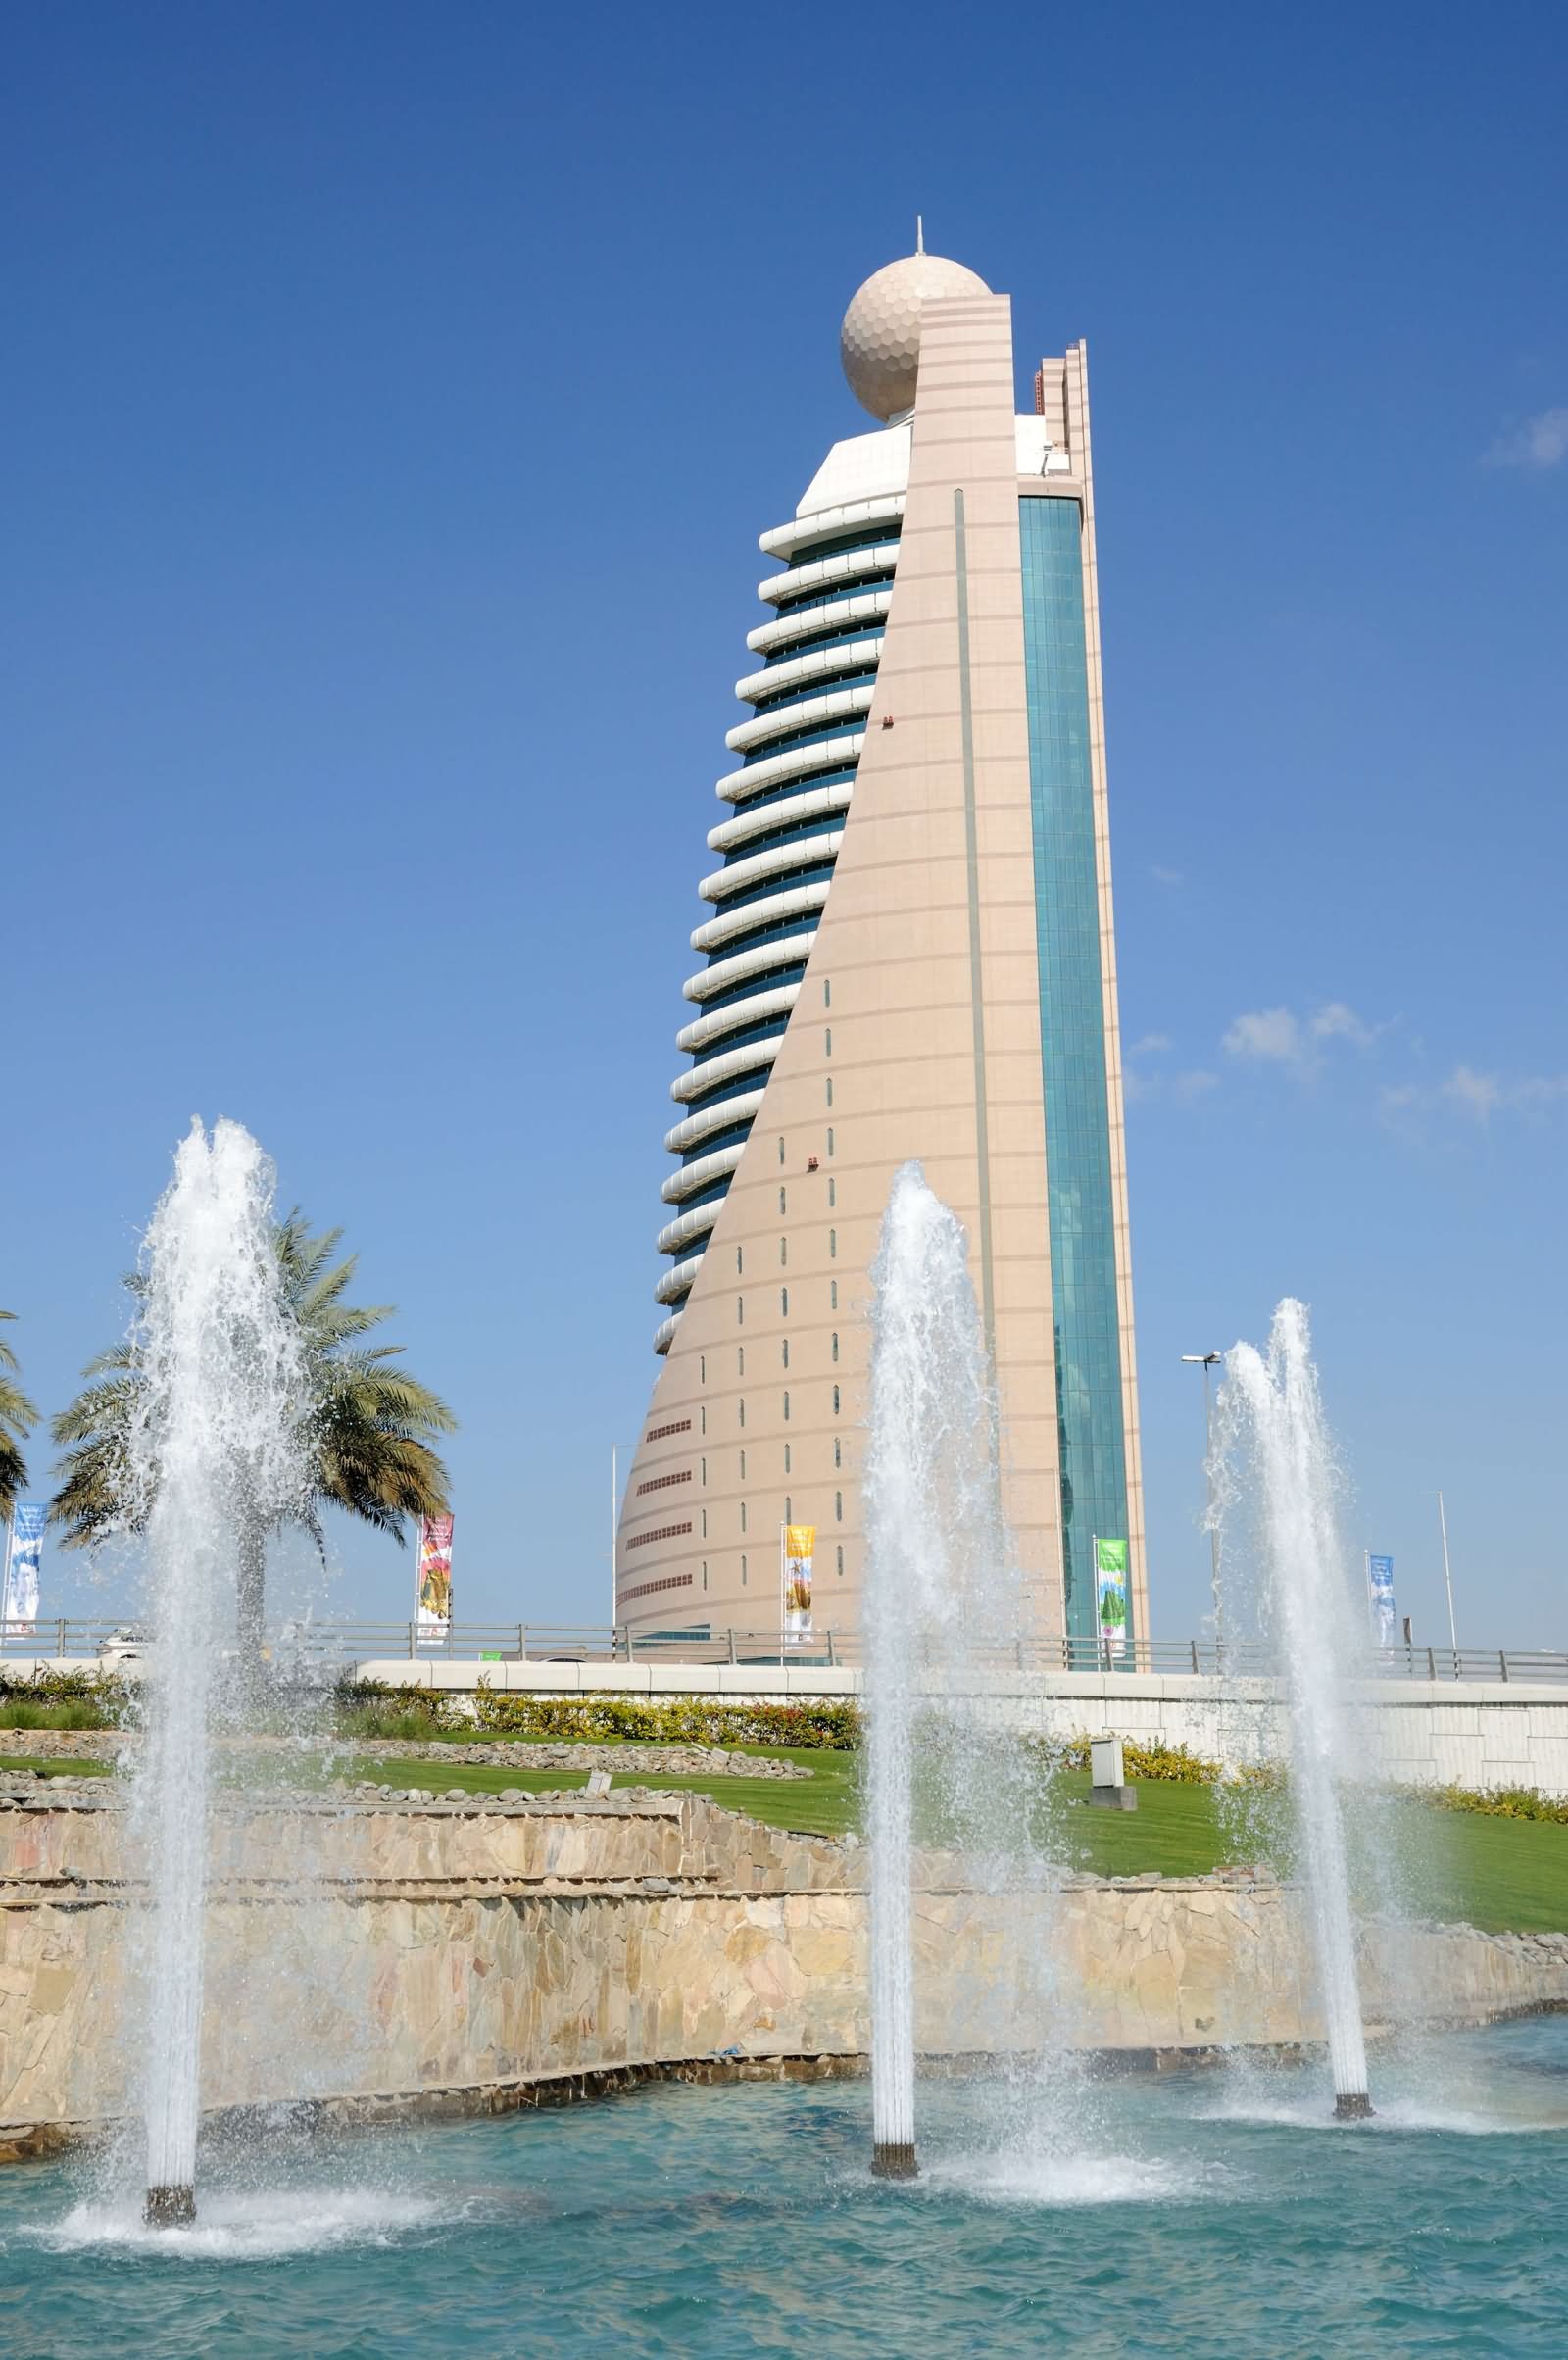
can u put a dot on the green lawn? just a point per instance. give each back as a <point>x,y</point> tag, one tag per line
<point>57,1765</point>
<point>822,1806</point>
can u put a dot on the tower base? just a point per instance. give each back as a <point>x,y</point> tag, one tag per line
<point>894,2162</point>
<point>172,2207</point>
<point>1352,2106</point>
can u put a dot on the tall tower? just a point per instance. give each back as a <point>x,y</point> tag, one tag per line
<point>911,954</point>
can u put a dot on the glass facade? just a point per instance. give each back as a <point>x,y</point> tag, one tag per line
<point>1073,1035</point>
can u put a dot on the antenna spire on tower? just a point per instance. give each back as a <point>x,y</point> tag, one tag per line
<point>920,234</point>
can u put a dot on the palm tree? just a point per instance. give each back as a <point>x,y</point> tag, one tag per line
<point>18,1417</point>
<point>367,1425</point>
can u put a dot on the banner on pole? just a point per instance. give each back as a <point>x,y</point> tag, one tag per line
<point>1111,1594</point>
<point>435,1579</point>
<point>800,1551</point>
<point>18,1609</point>
<point>1380,1594</point>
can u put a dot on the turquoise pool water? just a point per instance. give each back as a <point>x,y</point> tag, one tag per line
<point>1214,2216</point>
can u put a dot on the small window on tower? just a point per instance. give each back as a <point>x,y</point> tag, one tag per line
<point>835,1344</point>
<point>838,1508</point>
<point>781,1150</point>
<point>830,1138</point>
<point>832,1294</point>
<point>828,992</point>
<point>786,1406</point>
<point>838,1451</point>
<point>786,1459</point>
<point>827,1041</point>
<point>784,1350</point>
<point>832,1193</point>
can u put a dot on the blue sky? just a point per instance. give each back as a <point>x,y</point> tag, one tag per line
<point>394,396</point>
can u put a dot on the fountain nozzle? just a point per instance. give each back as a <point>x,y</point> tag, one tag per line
<point>172,2207</point>
<point>1352,2106</point>
<point>893,2161</point>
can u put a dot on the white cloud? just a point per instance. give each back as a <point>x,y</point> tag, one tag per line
<point>1542,442</point>
<point>1150,1045</point>
<point>1479,1096</point>
<point>1167,877</point>
<point>1181,1089</point>
<point>1278,1036</point>
<point>1338,1021</point>
<point>1271,1035</point>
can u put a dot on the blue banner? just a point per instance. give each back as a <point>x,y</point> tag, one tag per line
<point>1379,1597</point>
<point>18,1609</point>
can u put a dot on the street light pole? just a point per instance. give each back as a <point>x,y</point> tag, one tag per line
<point>1206,1361</point>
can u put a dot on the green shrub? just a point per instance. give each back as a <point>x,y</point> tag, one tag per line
<point>65,1699</point>
<point>1494,1803</point>
<point>669,1721</point>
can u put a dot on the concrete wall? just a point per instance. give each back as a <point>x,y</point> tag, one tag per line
<point>1467,1733</point>
<point>1423,1732</point>
<point>372,1952</point>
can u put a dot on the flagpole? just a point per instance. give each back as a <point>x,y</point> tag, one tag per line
<point>1448,1582</point>
<point>614,1504</point>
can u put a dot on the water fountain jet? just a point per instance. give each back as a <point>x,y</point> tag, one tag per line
<point>213,1455</point>
<point>1270,1409</point>
<point>938,1584</point>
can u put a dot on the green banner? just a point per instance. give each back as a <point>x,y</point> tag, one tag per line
<point>1111,1594</point>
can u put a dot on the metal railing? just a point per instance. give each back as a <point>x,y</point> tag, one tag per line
<point>338,1646</point>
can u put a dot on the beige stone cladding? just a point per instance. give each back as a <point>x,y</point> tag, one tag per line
<point>464,1948</point>
<point>916,1034</point>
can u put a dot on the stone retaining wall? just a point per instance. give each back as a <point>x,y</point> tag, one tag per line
<point>365,1952</point>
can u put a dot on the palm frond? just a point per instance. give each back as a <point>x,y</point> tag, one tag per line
<point>366,1421</point>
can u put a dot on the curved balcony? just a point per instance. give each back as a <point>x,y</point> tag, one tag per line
<point>683,1136</point>
<point>677,1282</point>
<point>820,663</point>
<point>801,852</point>
<point>790,951</point>
<point>811,803</point>
<point>677,1235</point>
<point>693,1177</point>
<point>825,574</point>
<point>811,622</point>
<point>759,1008</point>
<point>768,910</point>
<point>809,713</point>
<point>777,769</point>
<point>826,523</point>
<point>714,1072</point>
<point>664,1334</point>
